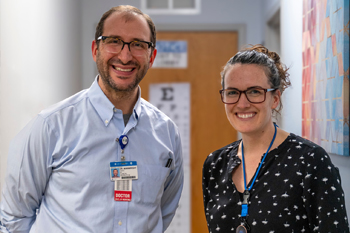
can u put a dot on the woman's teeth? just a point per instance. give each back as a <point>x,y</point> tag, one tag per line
<point>245,115</point>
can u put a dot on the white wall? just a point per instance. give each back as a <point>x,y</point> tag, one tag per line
<point>291,55</point>
<point>40,61</point>
<point>2,167</point>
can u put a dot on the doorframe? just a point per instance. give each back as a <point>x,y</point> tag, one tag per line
<point>240,28</point>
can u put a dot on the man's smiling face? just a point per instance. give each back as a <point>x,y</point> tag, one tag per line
<point>123,71</point>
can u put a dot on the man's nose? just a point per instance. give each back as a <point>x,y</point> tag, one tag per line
<point>125,55</point>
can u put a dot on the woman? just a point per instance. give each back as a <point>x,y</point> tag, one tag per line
<point>271,180</point>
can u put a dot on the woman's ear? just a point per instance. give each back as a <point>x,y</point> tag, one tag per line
<point>276,99</point>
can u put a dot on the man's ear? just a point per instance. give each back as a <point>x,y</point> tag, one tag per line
<point>153,56</point>
<point>94,49</point>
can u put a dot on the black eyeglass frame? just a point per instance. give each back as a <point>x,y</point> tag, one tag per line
<point>245,92</point>
<point>103,38</point>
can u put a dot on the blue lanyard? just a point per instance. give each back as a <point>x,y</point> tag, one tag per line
<point>246,193</point>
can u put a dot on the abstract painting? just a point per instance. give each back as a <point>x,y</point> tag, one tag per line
<point>325,85</point>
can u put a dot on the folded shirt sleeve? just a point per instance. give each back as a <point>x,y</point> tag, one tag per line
<point>28,171</point>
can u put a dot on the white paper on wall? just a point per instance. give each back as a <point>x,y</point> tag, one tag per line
<point>174,100</point>
<point>171,54</point>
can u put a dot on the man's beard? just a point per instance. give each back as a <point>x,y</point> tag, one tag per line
<point>108,81</point>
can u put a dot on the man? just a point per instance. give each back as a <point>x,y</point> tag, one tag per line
<point>58,175</point>
<point>115,173</point>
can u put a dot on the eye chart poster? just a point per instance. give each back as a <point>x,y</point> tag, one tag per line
<point>174,100</point>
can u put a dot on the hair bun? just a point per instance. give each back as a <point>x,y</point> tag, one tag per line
<point>274,56</point>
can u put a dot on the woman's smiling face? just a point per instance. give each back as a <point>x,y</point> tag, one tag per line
<point>244,116</point>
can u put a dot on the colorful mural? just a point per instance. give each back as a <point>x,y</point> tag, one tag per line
<point>325,107</point>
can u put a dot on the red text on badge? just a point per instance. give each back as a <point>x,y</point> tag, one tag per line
<point>122,195</point>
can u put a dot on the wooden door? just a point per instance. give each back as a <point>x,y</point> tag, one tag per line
<point>208,52</point>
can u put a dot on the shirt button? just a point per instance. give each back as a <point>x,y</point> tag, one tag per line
<point>120,223</point>
<point>115,110</point>
<point>106,121</point>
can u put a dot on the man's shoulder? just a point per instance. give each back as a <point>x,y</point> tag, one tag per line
<point>153,111</point>
<point>60,106</point>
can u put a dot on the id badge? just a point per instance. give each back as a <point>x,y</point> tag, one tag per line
<point>122,190</point>
<point>125,170</point>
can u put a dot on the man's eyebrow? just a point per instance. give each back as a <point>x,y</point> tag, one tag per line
<point>119,37</point>
<point>233,88</point>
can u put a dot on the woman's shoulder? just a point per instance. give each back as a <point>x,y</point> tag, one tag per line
<point>300,142</point>
<point>306,149</point>
<point>222,152</point>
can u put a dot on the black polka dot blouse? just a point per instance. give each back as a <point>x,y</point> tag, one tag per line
<point>298,189</point>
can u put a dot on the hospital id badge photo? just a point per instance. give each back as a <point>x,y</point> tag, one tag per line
<point>125,170</point>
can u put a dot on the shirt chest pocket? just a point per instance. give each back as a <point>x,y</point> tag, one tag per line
<point>149,186</point>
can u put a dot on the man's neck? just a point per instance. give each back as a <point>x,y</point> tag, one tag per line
<point>122,100</point>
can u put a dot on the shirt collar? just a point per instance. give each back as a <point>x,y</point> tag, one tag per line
<point>137,107</point>
<point>104,107</point>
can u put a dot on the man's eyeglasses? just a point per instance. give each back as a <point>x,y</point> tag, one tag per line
<point>115,45</point>
<point>254,95</point>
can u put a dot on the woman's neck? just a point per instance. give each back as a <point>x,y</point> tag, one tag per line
<point>260,141</point>
<point>257,144</point>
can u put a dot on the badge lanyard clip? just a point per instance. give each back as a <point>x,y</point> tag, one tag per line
<point>246,196</point>
<point>123,141</point>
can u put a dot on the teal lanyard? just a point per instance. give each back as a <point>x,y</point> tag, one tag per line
<point>246,193</point>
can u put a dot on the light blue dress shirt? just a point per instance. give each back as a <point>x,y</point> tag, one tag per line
<point>58,166</point>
